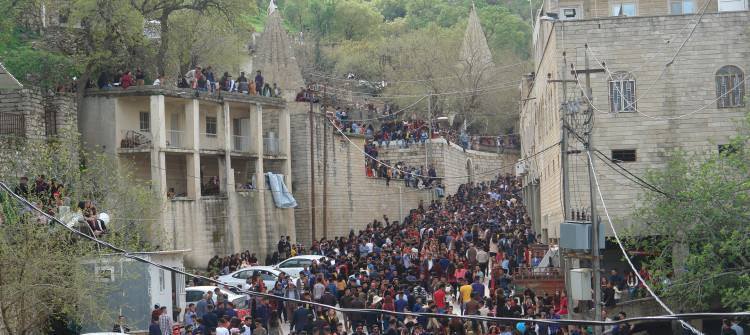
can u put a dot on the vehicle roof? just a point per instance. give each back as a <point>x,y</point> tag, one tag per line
<point>208,288</point>
<point>315,257</point>
<point>257,267</point>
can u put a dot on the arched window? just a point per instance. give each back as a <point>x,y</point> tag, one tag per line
<point>730,87</point>
<point>622,93</point>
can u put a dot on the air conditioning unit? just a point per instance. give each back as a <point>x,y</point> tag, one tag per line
<point>576,235</point>
<point>520,169</point>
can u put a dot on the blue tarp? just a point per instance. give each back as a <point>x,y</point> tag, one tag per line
<point>281,196</point>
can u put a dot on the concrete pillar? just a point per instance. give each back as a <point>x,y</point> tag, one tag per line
<point>256,141</point>
<point>193,161</point>
<point>158,133</point>
<point>285,133</point>
<point>225,139</point>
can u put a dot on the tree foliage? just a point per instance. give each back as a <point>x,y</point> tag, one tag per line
<point>697,222</point>
<point>45,271</point>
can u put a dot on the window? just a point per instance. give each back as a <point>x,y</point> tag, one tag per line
<point>624,9</point>
<point>12,124</point>
<point>622,93</point>
<point>290,264</point>
<point>569,13</point>
<point>728,149</point>
<point>50,123</point>
<point>191,296</point>
<point>623,155</point>
<point>267,276</point>
<point>145,121</point>
<point>211,125</point>
<point>682,7</point>
<point>730,88</point>
<point>732,5</point>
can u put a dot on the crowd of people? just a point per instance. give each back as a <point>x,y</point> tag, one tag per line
<point>459,252</point>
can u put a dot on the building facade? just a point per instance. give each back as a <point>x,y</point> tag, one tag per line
<point>673,79</point>
<point>208,153</point>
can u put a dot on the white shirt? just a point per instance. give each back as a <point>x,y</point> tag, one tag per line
<point>222,331</point>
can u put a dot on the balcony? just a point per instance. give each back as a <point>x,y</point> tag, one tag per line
<point>241,144</point>
<point>273,146</point>
<point>178,186</point>
<point>209,141</point>
<point>176,139</point>
<point>136,139</point>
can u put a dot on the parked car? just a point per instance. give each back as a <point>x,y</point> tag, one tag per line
<point>268,274</point>
<point>294,265</point>
<point>194,294</point>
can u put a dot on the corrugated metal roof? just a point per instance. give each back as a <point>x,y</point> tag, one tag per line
<point>7,81</point>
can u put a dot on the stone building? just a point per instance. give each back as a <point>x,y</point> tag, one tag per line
<point>208,149</point>
<point>28,119</point>
<point>673,80</point>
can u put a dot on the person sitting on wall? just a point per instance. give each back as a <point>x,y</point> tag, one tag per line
<point>91,216</point>
<point>212,188</point>
<point>301,95</point>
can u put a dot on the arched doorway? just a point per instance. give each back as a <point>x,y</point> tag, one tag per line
<point>469,171</point>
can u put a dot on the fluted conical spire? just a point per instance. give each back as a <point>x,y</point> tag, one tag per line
<point>275,57</point>
<point>475,53</point>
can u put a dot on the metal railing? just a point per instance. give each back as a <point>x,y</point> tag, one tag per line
<point>209,141</point>
<point>136,139</point>
<point>241,143</point>
<point>273,146</point>
<point>175,139</point>
<point>12,124</point>
<point>537,273</point>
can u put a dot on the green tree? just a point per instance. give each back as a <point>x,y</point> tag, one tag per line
<point>391,9</point>
<point>162,10</point>
<point>695,218</point>
<point>506,30</point>
<point>45,271</point>
<point>450,16</point>
<point>320,17</point>
<point>356,21</point>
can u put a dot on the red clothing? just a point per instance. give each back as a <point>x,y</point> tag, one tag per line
<point>439,298</point>
<point>126,81</point>
<point>563,307</point>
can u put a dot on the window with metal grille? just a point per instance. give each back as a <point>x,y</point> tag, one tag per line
<point>50,123</point>
<point>145,121</point>
<point>211,125</point>
<point>12,124</point>
<point>730,87</point>
<point>622,93</point>
<point>623,155</point>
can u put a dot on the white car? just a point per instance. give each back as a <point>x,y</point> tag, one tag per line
<point>268,274</point>
<point>294,265</point>
<point>194,294</point>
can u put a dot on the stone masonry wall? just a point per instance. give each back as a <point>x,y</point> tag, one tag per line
<point>668,102</point>
<point>16,151</point>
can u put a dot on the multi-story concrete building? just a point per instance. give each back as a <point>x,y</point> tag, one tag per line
<point>207,149</point>
<point>673,80</point>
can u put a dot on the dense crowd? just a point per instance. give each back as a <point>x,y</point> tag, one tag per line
<point>462,251</point>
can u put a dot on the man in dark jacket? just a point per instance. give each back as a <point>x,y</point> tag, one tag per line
<point>299,318</point>
<point>210,320</point>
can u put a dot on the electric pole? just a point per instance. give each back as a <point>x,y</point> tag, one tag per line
<point>595,261</point>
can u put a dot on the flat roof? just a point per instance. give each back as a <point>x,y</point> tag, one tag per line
<point>216,97</point>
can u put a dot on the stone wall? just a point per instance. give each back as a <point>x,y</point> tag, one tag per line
<point>17,150</point>
<point>352,199</point>
<point>224,225</point>
<point>664,100</point>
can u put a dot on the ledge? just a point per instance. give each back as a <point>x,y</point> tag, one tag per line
<point>218,97</point>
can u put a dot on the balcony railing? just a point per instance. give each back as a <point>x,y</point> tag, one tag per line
<point>175,139</point>
<point>209,141</point>
<point>136,139</point>
<point>273,146</point>
<point>241,143</point>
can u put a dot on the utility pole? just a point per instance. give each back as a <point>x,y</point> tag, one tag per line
<point>325,163</point>
<point>566,175</point>
<point>429,134</point>
<point>595,261</point>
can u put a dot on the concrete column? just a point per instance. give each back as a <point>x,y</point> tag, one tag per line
<point>285,133</point>
<point>256,140</point>
<point>226,141</point>
<point>193,162</point>
<point>158,133</point>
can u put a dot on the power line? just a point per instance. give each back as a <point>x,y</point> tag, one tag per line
<point>625,254</point>
<point>133,256</point>
<point>418,80</point>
